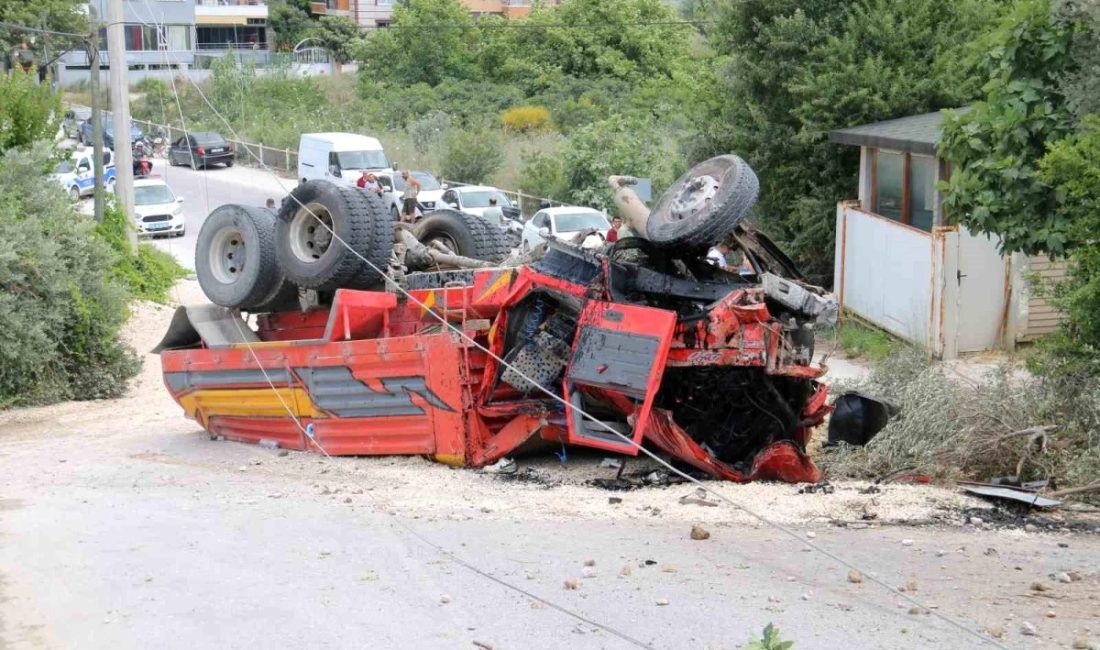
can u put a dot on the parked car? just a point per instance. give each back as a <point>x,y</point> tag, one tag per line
<point>76,175</point>
<point>201,149</point>
<point>158,209</point>
<point>108,132</point>
<point>431,191</point>
<point>473,199</point>
<point>563,224</point>
<point>73,119</point>
<point>339,157</point>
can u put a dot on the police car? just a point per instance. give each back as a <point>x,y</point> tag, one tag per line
<point>77,176</point>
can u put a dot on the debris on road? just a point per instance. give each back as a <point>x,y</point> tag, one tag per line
<point>1021,495</point>
<point>698,533</point>
<point>698,498</point>
<point>855,576</point>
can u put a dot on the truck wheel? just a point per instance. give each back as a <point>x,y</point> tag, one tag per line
<point>704,204</point>
<point>235,257</point>
<point>323,229</point>
<point>466,234</point>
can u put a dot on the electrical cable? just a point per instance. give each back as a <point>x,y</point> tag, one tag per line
<point>457,331</point>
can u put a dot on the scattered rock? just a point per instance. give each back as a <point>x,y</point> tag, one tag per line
<point>1027,629</point>
<point>444,599</point>
<point>906,542</point>
<point>588,572</point>
<point>913,611</point>
<point>1038,586</point>
<point>669,568</point>
<point>1031,528</point>
<point>661,602</point>
<point>855,576</point>
<point>699,533</point>
<point>1063,544</point>
<point>1063,577</point>
<point>275,495</point>
<point>811,534</point>
<point>805,596</point>
<point>911,585</point>
<point>572,584</point>
<point>614,500</point>
<point>347,499</point>
<point>1051,614</point>
<point>1074,576</point>
<point>242,468</point>
<point>1081,644</point>
<point>990,551</point>
<point>995,631</point>
<point>977,521</point>
<point>626,570</point>
<point>589,562</point>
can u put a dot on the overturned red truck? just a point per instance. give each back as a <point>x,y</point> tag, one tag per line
<point>644,341</point>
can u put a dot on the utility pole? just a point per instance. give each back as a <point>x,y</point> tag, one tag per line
<point>97,113</point>
<point>120,109</point>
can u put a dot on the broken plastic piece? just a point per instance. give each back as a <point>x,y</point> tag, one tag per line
<point>857,418</point>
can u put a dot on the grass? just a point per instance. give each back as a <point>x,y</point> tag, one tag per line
<point>861,341</point>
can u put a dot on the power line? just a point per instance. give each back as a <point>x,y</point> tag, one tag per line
<point>37,30</point>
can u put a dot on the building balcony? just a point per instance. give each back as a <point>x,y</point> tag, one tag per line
<point>230,12</point>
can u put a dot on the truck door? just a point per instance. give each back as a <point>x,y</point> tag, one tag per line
<point>615,369</point>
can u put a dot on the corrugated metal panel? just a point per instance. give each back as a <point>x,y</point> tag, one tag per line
<point>1042,317</point>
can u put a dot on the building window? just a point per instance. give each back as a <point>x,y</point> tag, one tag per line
<point>143,38</point>
<point>903,187</point>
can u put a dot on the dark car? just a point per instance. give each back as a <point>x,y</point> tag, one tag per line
<point>108,132</point>
<point>200,149</point>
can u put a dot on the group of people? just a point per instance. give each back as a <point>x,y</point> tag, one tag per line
<point>370,184</point>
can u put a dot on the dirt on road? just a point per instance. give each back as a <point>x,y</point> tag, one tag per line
<point>123,525</point>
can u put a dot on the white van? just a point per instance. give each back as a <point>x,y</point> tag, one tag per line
<point>339,157</point>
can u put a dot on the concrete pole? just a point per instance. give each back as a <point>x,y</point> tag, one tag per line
<point>120,107</point>
<point>97,113</point>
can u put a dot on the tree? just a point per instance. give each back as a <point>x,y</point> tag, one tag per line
<point>995,148</point>
<point>340,35</point>
<point>471,156</point>
<point>801,69</point>
<point>427,42</point>
<point>29,111</point>
<point>55,15</point>
<point>291,20</point>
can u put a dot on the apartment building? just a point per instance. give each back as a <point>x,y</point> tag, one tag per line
<point>379,13</point>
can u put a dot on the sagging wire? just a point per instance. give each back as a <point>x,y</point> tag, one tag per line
<point>569,407</point>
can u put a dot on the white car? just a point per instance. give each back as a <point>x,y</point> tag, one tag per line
<point>158,209</point>
<point>75,174</point>
<point>431,191</point>
<point>563,224</point>
<point>473,199</point>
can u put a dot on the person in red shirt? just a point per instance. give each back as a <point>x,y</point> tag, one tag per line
<point>613,234</point>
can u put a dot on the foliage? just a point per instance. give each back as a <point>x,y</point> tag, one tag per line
<point>770,641</point>
<point>542,175</point>
<point>617,145</point>
<point>60,310</point>
<point>429,132</point>
<point>995,148</point>
<point>149,273</point>
<point>28,111</point>
<point>290,20</point>
<point>801,69</point>
<point>430,40</point>
<point>952,428</point>
<point>58,15</point>
<point>471,156</point>
<point>526,119</point>
<point>340,35</point>
<point>1081,86</point>
<point>859,340</point>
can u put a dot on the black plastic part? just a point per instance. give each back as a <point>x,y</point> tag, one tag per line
<point>857,418</point>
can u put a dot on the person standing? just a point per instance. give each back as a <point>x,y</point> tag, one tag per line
<point>613,234</point>
<point>408,197</point>
<point>493,213</point>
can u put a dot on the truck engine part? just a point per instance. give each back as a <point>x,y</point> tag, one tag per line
<point>703,205</point>
<point>309,254</point>
<point>236,262</point>
<point>794,296</point>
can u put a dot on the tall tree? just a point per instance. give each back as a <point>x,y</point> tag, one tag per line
<point>54,15</point>
<point>428,41</point>
<point>29,111</point>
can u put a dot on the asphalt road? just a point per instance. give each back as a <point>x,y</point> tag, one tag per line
<point>206,189</point>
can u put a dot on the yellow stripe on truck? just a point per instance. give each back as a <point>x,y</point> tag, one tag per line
<point>248,402</point>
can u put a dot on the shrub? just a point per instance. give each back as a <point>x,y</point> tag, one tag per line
<point>60,308</point>
<point>543,176</point>
<point>428,132</point>
<point>29,111</point>
<point>526,119</point>
<point>149,273</point>
<point>471,156</point>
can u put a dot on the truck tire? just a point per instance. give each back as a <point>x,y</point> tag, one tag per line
<point>235,257</point>
<point>466,234</point>
<point>310,254</point>
<point>703,205</point>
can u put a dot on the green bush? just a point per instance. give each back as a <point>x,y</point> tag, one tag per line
<point>29,111</point>
<point>60,307</point>
<point>542,175</point>
<point>471,156</point>
<point>149,273</point>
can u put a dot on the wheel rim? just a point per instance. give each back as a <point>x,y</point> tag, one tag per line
<point>228,255</point>
<point>445,240</point>
<point>695,197</point>
<point>310,240</point>
<point>74,193</point>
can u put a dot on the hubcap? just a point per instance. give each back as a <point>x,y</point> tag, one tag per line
<point>228,255</point>
<point>309,240</point>
<point>445,240</point>
<point>695,197</point>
